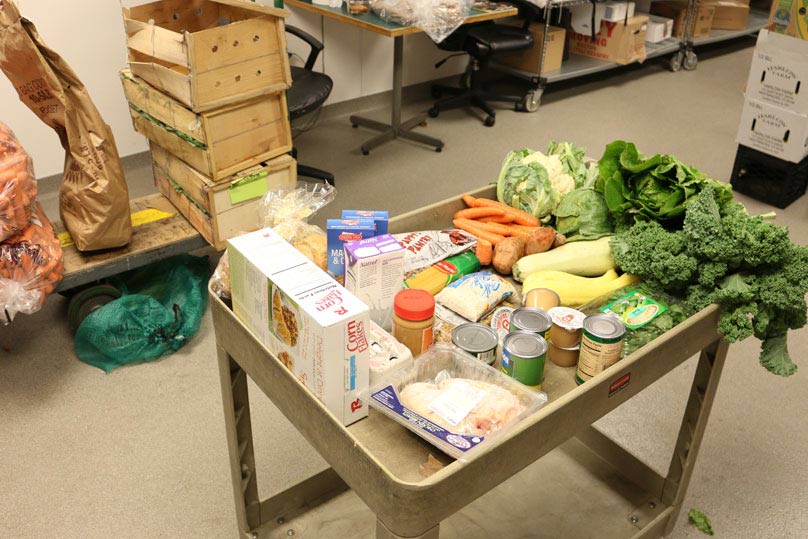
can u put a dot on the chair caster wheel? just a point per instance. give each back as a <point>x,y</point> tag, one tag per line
<point>489,121</point>
<point>439,149</point>
<point>365,152</point>
<point>437,93</point>
<point>433,112</point>
<point>354,125</point>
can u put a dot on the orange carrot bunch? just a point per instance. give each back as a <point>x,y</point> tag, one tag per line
<point>17,185</point>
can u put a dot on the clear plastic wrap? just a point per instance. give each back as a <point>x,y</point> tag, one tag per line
<point>437,18</point>
<point>296,204</point>
<point>453,400</point>
<point>17,185</point>
<point>30,267</point>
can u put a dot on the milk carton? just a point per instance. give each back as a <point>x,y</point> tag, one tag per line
<point>310,323</point>
<point>374,272</point>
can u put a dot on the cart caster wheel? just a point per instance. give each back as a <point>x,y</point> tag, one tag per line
<point>88,300</point>
<point>518,107</point>
<point>433,112</point>
<point>489,121</point>
<point>365,151</point>
<point>436,92</point>
<point>531,101</point>
<point>676,61</point>
<point>355,126</point>
<point>691,61</point>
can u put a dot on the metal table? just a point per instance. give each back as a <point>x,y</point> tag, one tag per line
<point>370,21</point>
<point>379,459</point>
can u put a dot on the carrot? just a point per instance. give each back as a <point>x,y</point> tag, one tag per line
<point>474,213</point>
<point>520,217</point>
<point>470,201</point>
<point>484,251</point>
<point>496,228</point>
<point>473,227</point>
<point>502,219</point>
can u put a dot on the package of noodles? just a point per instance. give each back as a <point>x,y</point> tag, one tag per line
<point>17,185</point>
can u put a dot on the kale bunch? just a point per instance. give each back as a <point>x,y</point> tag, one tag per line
<point>722,255</point>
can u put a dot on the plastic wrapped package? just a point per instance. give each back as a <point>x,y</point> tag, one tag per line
<point>296,204</point>
<point>17,185</point>
<point>453,400</point>
<point>30,267</point>
<point>437,18</point>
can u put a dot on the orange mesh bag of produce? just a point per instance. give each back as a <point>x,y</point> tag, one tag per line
<point>30,267</point>
<point>17,185</point>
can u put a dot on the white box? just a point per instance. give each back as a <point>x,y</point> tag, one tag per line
<point>616,11</point>
<point>659,28</point>
<point>374,273</point>
<point>775,131</point>
<point>779,72</point>
<point>306,319</point>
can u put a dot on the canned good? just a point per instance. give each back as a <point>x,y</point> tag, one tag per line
<point>523,355</point>
<point>601,345</point>
<point>478,340</point>
<point>542,298</point>
<point>563,357</point>
<point>567,324</point>
<point>501,322</point>
<point>530,319</point>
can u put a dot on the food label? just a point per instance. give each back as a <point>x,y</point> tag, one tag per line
<point>635,309</point>
<point>457,402</point>
<point>596,357</point>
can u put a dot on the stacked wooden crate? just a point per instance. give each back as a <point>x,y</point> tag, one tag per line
<point>206,85</point>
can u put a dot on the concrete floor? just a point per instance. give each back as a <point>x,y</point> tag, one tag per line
<point>140,453</point>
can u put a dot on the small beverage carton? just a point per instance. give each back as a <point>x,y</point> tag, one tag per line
<point>374,272</point>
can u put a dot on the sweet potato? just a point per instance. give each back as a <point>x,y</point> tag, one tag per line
<point>540,240</point>
<point>560,239</point>
<point>507,252</point>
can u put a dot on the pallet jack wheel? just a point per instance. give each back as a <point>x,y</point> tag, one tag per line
<point>88,300</point>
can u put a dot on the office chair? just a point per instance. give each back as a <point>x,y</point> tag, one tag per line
<point>482,42</point>
<point>308,92</point>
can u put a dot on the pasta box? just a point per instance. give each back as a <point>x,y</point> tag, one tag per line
<point>340,232</point>
<point>311,324</point>
<point>379,217</point>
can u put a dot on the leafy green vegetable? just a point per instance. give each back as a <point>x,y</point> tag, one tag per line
<point>526,185</point>
<point>746,264</point>
<point>583,215</point>
<point>700,520</point>
<point>573,158</point>
<point>657,188</point>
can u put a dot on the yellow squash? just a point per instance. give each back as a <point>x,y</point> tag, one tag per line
<point>574,290</point>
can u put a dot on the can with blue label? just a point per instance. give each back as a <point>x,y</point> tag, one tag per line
<point>523,356</point>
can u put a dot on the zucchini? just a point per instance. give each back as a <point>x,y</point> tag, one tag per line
<point>584,258</point>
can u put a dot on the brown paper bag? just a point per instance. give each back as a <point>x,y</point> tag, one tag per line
<point>94,200</point>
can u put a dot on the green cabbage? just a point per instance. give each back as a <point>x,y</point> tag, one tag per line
<point>525,184</point>
<point>583,215</point>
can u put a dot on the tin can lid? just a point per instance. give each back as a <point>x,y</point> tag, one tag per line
<point>530,319</point>
<point>473,337</point>
<point>413,304</point>
<point>604,325</point>
<point>525,344</point>
<point>567,318</point>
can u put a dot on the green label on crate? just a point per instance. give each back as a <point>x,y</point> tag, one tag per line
<point>248,187</point>
<point>635,309</point>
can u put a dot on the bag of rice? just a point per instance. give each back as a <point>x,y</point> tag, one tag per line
<point>475,295</point>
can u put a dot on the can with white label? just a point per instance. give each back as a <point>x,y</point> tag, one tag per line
<point>601,345</point>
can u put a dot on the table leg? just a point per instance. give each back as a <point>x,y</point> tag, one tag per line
<point>396,129</point>
<point>238,428</point>
<point>694,423</point>
<point>383,532</point>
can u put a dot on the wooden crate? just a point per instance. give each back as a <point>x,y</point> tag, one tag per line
<point>218,143</point>
<point>220,209</point>
<point>208,53</point>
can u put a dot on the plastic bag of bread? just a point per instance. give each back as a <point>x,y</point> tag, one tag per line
<point>17,185</point>
<point>30,267</point>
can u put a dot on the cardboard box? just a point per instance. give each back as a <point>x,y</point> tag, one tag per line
<point>729,14</point>
<point>617,11</point>
<point>789,17</point>
<point>616,42</point>
<point>528,60</point>
<point>379,217</point>
<point>374,272</point>
<point>659,28</point>
<point>340,232</point>
<point>676,10</point>
<point>774,131</point>
<point>307,321</point>
<point>779,72</point>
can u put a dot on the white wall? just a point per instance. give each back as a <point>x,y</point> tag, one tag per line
<point>89,35</point>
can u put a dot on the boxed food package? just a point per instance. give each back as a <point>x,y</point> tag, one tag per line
<point>659,29</point>
<point>677,10</point>
<point>779,67</point>
<point>618,11</point>
<point>379,217</point>
<point>729,14</point>
<point>616,42</point>
<point>340,232</point>
<point>528,60</point>
<point>789,17</point>
<point>774,131</point>
<point>374,272</point>
<point>385,353</point>
<point>309,322</point>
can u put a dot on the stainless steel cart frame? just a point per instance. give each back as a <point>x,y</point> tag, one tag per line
<point>379,460</point>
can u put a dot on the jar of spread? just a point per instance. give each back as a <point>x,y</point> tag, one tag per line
<point>413,318</point>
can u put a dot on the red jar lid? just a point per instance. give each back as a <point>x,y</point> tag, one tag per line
<point>414,305</point>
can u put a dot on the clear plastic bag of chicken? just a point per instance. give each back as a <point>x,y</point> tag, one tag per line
<point>453,400</point>
<point>17,185</point>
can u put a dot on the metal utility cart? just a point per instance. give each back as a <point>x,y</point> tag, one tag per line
<point>379,460</point>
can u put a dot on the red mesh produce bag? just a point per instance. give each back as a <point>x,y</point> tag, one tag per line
<point>17,185</point>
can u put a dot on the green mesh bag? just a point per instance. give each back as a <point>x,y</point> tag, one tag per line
<point>159,311</point>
